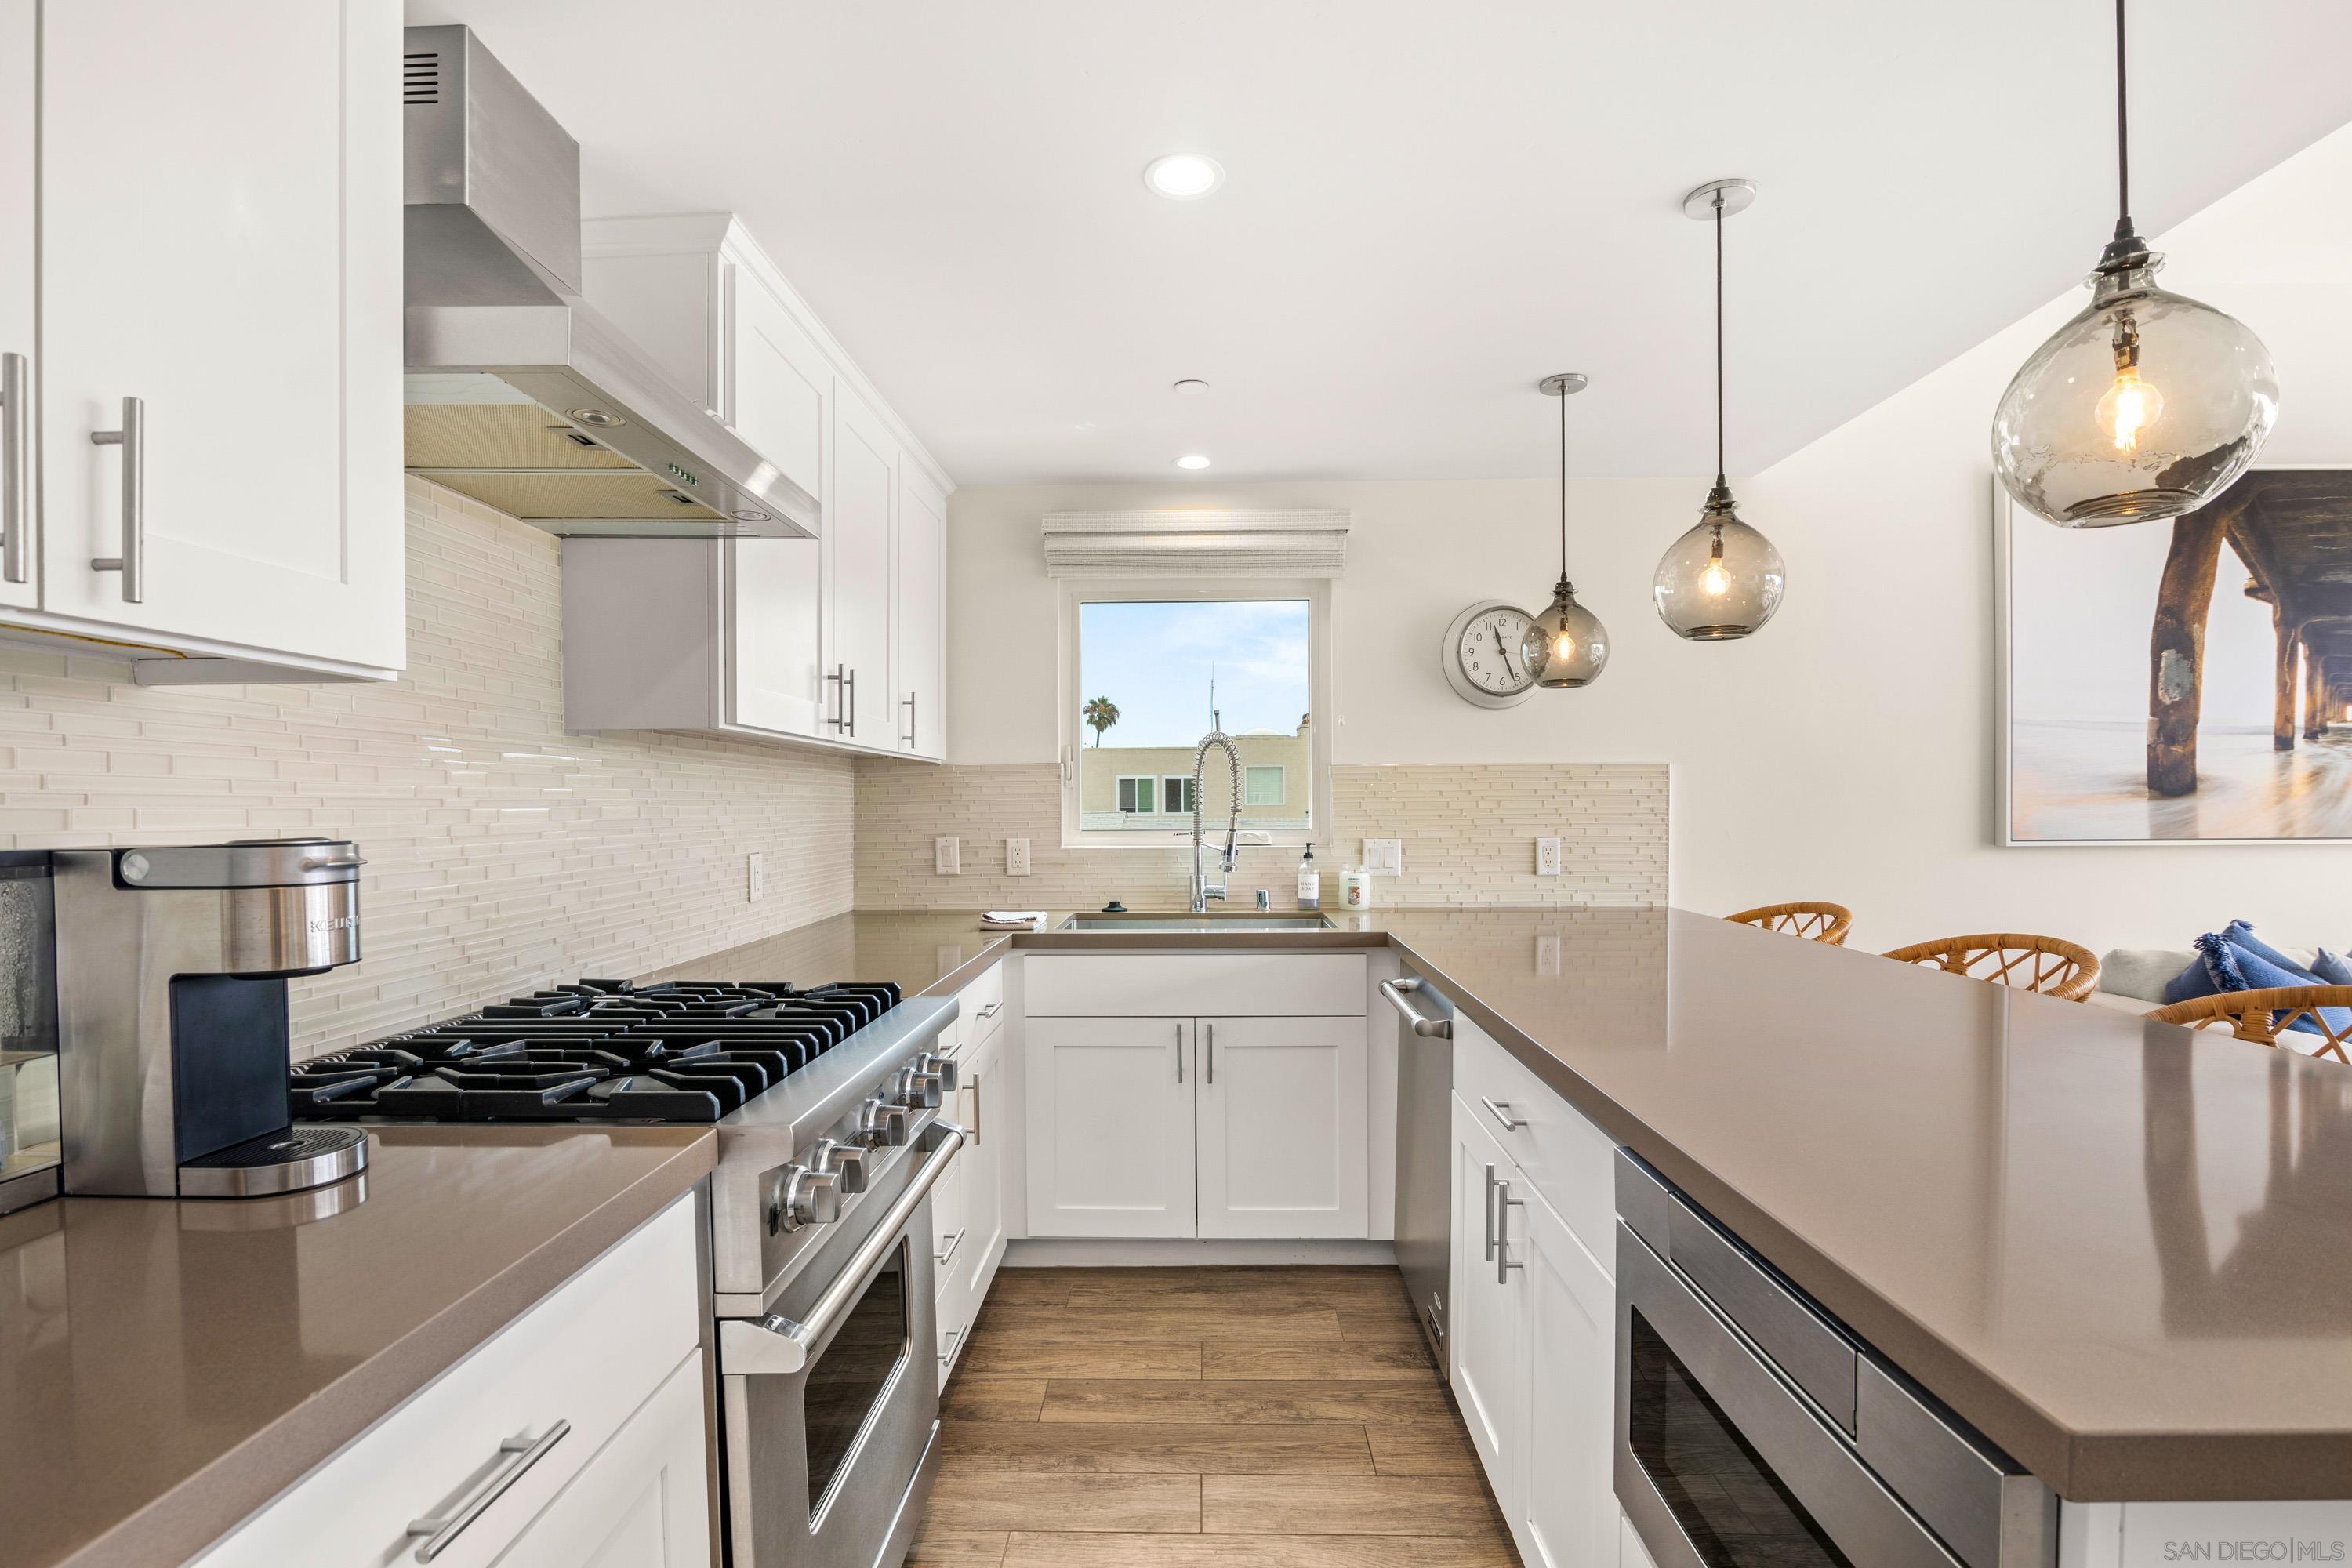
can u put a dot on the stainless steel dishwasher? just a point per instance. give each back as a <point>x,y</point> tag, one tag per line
<point>1425,1197</point>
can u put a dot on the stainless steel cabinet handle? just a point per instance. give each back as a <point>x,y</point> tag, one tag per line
<point>132,561</point>
<point>1491,1185</point>
<point>443,1529</point>
<point>1397,991</point>
<point>948,1354</point>
<point>839,681</point>
<point>941,1257</point>
<point>987,1012</point>
<point>1180,1053</point>
<point>15,467</point>
<point>850,686</point>
<point>975,1111</point>
<point>1213,1053</point>
<point>1503,1264</point>
<point>910,719</point>
<point>1501,1111</point>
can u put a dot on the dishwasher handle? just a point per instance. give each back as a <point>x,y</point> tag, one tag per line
<point>1400,995</point>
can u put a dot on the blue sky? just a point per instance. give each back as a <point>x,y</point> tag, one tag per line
<point>1154,661</point>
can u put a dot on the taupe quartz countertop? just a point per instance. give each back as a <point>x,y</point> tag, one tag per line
<point>170,1367</point>
<point>2121,1250</point>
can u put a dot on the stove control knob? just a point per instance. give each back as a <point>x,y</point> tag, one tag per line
<point>881,1124</point>
<point>916,1090</point>
<point>803,1197</point>
<point>941,1068</point>
<point>836,1159</point>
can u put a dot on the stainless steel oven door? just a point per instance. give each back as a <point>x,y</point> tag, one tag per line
<point>829,1465</point>
<point>1720,1462</point>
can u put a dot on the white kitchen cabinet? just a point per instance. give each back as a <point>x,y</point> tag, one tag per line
<point>642,1501</point>
<point>919,662</point>
<point>860,515</point>
<point>1282,1123</point>
<point>820,641</point>
<point>1489,1379</point>
<point>969,1233</point>
<point>219,253</point>
<point>1631,1553</point>
<point>1534,1351</point>
<point>1110,1138</point>
<point>635,1315</point>
<point>1567,1513</point>
<point>19,177</point>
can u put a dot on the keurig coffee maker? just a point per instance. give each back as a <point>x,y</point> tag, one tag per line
<point>171,965</point>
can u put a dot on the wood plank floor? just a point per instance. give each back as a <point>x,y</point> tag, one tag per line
<point>1219,1417</point>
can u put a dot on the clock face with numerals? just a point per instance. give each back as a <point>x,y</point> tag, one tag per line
<point>1480,655</point>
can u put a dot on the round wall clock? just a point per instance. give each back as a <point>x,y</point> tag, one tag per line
<point>1481,658</point>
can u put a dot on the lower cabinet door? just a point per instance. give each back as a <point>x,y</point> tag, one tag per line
<point>1109,1126</point>
<point>642,1501</point>
<point>1489,1380</point>
<point>980,1096</point>
<point>1568,1517</point>
<point>1282,1112</point>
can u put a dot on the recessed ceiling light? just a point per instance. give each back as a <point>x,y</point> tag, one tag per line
<point>1192,461</point>
<point>1192,385</point>
<point>1183,175</point>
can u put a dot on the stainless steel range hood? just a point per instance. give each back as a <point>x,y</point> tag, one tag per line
<point>519,394</point>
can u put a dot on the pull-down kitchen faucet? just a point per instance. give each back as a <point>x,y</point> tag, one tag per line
<point>1202,889</point>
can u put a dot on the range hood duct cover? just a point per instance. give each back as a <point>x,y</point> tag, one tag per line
<point>518,393</point>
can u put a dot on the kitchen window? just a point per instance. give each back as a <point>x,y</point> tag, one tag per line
<point>1149,668</point>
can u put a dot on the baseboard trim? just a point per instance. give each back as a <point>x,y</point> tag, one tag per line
<point>1057,1252</point>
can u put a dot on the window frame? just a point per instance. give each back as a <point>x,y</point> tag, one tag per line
<point>1119,779</point>
<point>1321,595</point>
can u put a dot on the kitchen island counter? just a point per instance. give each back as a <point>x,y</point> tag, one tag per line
<point>2121,1251</point>
<point>173,1366</point>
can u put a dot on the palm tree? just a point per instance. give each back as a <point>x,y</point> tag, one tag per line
<point>1099,714</point>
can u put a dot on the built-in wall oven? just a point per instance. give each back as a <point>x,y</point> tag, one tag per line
<point>1753,1428</point>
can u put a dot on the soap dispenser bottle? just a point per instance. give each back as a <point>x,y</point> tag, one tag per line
<point>1310,882</point>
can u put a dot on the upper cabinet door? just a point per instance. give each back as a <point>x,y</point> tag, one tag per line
<point>783,383</point>
<point>221,241</point>
<point>857,546</point>
<point>922,615</point>
<point>1283,1127</point>
<point>18,454</point>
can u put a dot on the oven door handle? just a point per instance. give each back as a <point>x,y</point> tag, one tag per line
<point>776,1343</point>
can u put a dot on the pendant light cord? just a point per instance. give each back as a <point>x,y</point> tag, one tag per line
<point>1563,484</point>
<point>2122,131</point>
<point>1718,337</point>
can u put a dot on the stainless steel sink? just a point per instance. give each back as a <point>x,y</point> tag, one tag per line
<point>1210,923</point>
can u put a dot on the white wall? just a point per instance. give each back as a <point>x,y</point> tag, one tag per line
<point>1847,752</point>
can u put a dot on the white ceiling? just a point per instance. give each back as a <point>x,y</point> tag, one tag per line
<point>1426,208</point>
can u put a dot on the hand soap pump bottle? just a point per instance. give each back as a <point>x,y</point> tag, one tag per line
<point>1310,882</point>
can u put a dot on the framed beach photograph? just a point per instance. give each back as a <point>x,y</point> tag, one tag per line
<point>2188,681</point>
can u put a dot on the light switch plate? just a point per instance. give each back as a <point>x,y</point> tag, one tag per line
<point>947,856</point>
<point>755,877</point>
<point>1547,857</point>
<point>1385,856</point>
<point>1016,856</point>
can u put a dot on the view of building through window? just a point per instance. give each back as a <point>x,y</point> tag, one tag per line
<point>1154,677</point>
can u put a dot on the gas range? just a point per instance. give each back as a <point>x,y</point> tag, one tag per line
<point>598,1050</point>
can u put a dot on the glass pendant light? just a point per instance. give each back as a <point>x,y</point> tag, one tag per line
<point>1721,580</point>
<point>2144,406</point>
<point>1566,645</point>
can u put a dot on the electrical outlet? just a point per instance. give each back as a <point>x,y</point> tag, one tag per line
<point>1547,857</point>
<point>947,856</point>
<point>1547,955</point>
<point>1016,856</point>
<point>1385,856</point>
<point>756,876</point>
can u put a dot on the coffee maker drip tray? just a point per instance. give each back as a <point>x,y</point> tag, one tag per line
<point>284,1161</point>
